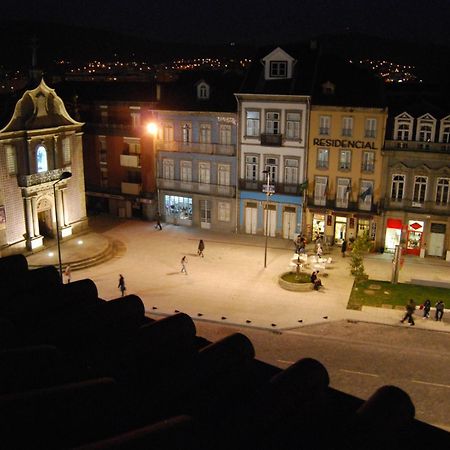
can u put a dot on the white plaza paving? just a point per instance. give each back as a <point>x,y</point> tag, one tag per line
<point>230,284</point>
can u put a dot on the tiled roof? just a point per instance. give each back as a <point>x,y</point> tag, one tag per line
<point>79,372</point>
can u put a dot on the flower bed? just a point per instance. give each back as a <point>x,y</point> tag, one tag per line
<point>289,281</point>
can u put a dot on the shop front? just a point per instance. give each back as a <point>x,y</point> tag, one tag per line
<point>178,210</point>
<point>318,225</point>
<point>414,237</point>
<point>393,234</point>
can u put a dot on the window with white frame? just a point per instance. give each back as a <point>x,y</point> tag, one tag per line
<point>135,118</point>
<point>366,194</point>
<point>342,192</point>
<point>273,122</point>
<point>205,211</point>
<point>398,188</point>
<point>203,91</point>
<point>426,126</point>
<point>404,132</point>
<point>446,135</point>
<point>41,159</point>
<point>225,134</point>
<point>205,133</point>
<point>370,130</point>
<point>322,158</point>
<point>133,146</point>
<point>272,167</point>
<point>368,161</point>
<point>293,126</point>
<point>167,132</point>
<point>251,168</point>
<point>278,69</point>
<point>290,171</point>
<point>420,188</point>
<point>252,127</point>
<point>168,169</point>
<point>186,171</point>
<point>224,211</point>
<point>347,126</point>
<point>324,125</point>
<point>320,190</point>
<point>103,151</point>
<point>66,151</point>
<point>345,159</point>
<point>442,191</point>
<point>104,177</point>
<point>11,159</point>
<point>186,133</point>
<point>425,133</point>
<point>223,174</point>
<point>204,172</point>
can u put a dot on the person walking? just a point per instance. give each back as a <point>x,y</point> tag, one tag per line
<point>410,308</point>
<point>201,247</point>
<point>68,273</point>
<point>158,221</point>
<point>121,285</point>
<point>426,308</point>
<point>440,306</point>
<point>183,265</point>
<point>343,248</point>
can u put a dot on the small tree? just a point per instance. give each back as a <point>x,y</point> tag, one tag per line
<point>361,245</point>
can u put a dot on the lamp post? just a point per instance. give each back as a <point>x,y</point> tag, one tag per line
<point>63,176</point>
<point>269,190</point>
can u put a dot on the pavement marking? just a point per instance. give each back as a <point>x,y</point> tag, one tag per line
<point>431,384</point>
<point>360,373</point>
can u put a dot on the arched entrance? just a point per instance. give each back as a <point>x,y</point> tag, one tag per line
<point>45,217</point>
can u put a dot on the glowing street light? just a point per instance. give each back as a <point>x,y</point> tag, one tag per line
<point>152,128</point>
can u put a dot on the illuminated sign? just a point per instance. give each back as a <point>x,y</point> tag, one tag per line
<point>344,143</point>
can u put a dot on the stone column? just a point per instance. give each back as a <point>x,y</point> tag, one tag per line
<point>63,207</point>
<point>29,218</point>
<point>35,215</point>
<point>58,204</point>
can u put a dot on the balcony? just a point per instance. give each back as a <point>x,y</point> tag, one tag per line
<point>196,147</point>
<point>196,188</point>
<point>34,179</point>
<point>343,205</point>
<point>130,160</point>
<point>417,146</point>
<point>425,207</point>
<point>130,188</point>
<point>272,140</point>
<point>280,188</point>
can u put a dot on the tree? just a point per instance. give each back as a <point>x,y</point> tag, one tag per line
<point>361,245</point>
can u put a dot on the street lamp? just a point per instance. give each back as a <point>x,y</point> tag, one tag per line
<point>63,176</point>
<point>269,190</point>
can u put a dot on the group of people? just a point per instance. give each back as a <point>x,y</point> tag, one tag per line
<point>426,307</point>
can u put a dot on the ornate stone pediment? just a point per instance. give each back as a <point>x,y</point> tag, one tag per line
<point>39,108</point>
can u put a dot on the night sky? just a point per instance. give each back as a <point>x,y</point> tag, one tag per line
<point>260,22</point>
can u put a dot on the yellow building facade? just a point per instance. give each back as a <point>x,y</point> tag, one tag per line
<point>344,173</point>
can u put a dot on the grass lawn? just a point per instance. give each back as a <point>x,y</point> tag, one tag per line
<point>383,293</point>
<point>292,277</point>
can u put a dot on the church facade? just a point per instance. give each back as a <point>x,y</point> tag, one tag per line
<point>39,144</point>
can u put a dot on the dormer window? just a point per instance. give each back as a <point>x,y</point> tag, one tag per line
<point>328,88</point>
<point>278,65</point>
<point>203,91</point>
<point>278,69</point>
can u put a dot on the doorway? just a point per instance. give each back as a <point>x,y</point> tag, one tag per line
<point>270,220</point>
<point>46,224</point>
<point>289,222</point>
<point>251,217</point>
<point>340,229</point>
